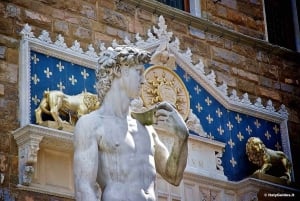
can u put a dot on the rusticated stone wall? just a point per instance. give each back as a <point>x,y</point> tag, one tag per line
<point>245,68</point>
<point>245,16</point>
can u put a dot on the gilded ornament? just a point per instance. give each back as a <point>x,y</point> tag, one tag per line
<point>163,84</point>
<point>267,158</point>
<point>57,104</point>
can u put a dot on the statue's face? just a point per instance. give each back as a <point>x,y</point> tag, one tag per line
<point>132,80</point>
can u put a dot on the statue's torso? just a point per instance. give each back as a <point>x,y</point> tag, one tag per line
<point>126,169</point>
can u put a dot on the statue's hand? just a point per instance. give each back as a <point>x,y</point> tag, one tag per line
<point>168,118</point>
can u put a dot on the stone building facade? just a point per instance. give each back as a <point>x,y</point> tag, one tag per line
<point>230,37</point>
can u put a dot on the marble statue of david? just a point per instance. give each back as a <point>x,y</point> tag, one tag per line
<point>115,154</point>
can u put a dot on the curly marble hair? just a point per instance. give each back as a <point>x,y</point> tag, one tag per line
<point>110,63</point>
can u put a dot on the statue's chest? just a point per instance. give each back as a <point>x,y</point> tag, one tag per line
<point>128,137</point>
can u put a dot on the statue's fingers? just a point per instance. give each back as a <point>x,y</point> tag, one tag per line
<point>162,112</point>
<point>166,106</point>
<point>162,118</point>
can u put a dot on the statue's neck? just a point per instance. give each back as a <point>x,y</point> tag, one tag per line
<point>116,102</point>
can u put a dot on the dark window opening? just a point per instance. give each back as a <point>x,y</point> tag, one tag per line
<point>180,4</point>
<point>280,24</point>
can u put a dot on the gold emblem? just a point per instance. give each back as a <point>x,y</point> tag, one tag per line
<point>163,84</point>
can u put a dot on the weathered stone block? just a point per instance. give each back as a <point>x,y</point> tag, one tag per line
<point>107,4</point>
<point>251,65</point>
<point>37,17</point>
<point>81,33</point>
<point>100,37</point>
<point>9,41</point>
<point>229,80</point>
<point>245,75</point>
<point>97,26</point>
<point>12,56</point>
<point>6,26</point>
<point>58,14</point>
<point>12,11</point>
<point>117,32</point>
<point>219,66</point>
<point>61,27</point>
<point>221,11</point>
<point>1,89</point>
<point>226,56</point>
<point>144,15</point>
<point>230,3</point>
<point>287,88</point>
<point>236,17</point>
<point>250,32</point>
<point>197,32</point>
<point>268,93</point>
<point>69,17</point>
<point>125,7</point>
<point>214,40</point>
<point>136,26</point>
<point>266,82</point>
<point>8,72</point>
<point>2,52</point>
<point>115,19</point>
<point>4,141</point>
<point>89,11</point>
<point>270,71</point>
<point>246,86</point>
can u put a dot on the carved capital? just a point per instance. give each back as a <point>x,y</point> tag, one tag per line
<point>28,146</point>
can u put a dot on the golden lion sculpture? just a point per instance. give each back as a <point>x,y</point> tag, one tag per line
<point>265,158</point>
<point>56,103</point>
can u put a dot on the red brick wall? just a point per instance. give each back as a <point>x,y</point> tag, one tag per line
<point>244,68</point>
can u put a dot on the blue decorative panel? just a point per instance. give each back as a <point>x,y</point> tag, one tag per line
<point>50,73</point>
<point>229,127</point>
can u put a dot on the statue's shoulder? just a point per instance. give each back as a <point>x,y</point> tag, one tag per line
<point>88,121</point>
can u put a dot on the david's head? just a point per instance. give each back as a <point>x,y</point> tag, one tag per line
<point>118,62</point>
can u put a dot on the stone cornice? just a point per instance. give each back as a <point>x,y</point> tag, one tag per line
<point>208,26</point>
